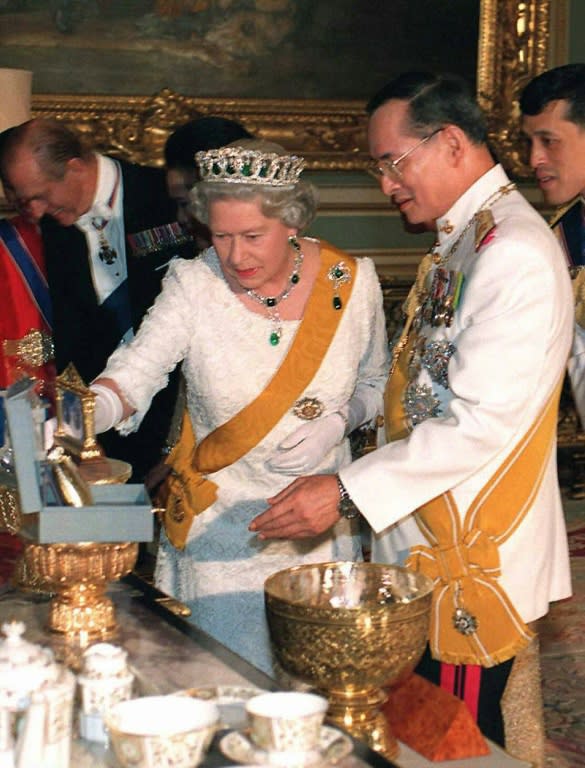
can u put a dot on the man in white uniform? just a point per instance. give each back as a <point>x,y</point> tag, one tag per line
<point>466,486</point>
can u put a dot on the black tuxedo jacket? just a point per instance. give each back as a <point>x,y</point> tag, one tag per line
<point>84,333</point>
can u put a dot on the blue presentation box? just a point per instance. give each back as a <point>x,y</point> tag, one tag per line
<point>120,512</point>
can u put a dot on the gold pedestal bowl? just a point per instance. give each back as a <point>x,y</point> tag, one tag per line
<point>349,629</point>
<point>78,574</point>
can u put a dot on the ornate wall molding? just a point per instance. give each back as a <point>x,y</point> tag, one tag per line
<point>514,41</point>
<point>513,46</point>
<point>331,135</point>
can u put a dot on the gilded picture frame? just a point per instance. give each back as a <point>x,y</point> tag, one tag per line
<point>516,41</point>
<point>75,406</point>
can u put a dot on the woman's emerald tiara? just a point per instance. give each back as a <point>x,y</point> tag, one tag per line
<point>237,165</point>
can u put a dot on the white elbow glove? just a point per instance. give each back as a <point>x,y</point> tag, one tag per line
<point>108,408</point>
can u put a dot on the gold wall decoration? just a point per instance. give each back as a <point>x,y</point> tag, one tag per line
<point>331,135</point>
<point>513,46</point>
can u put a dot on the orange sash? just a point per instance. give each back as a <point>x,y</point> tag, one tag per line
<point>464,560</point>
<point>190,492</point>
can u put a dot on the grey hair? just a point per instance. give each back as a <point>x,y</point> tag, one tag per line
<point>294,206</point>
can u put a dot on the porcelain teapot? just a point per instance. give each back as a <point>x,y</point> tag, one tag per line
<point>36,704</point>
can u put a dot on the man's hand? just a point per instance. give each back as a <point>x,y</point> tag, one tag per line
<point>306,508</point>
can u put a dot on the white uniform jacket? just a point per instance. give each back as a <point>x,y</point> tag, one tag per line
<point>477,388</point>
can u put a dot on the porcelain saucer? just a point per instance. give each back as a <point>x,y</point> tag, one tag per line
<point>333,746</point>
<point>229,699</point>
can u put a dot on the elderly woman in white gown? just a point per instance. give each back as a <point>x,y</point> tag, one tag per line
<point>283,349</point>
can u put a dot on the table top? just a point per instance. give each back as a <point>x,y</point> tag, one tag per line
<point>168,654</point>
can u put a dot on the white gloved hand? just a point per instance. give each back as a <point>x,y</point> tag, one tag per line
<point>49,428</point>
<point>305,448</point>
<point>108,408</point>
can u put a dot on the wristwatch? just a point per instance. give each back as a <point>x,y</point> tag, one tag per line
<point>346,506</point>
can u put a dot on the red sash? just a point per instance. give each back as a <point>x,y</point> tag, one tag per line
<point>19,311</point>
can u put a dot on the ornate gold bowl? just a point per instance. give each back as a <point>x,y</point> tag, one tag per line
<point>79,574</point>
<point>348,629</point>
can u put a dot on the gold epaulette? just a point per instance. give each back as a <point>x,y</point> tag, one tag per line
<point>560,212</point>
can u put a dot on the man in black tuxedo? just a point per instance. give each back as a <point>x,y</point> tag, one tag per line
<point>109,231</point>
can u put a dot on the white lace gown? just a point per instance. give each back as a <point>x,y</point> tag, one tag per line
<point>227,360</point>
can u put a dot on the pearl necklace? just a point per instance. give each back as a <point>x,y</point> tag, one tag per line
<point>271,302</point>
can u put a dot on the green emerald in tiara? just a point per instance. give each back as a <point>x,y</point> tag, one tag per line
<point>239,165</point>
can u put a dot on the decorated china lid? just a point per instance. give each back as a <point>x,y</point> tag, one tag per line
<point>105,660</point>
<point>24,667</point>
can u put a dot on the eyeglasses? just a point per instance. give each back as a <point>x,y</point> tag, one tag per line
<point>389,168</point>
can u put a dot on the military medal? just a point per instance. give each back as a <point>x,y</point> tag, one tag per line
<point>443,298</point>
<point>464,622</point>
<point>158,239</point>
<point>106,253</point>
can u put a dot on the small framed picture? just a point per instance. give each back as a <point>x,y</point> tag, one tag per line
<point>75,406</point>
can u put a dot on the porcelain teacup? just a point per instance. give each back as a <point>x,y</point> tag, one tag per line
<point>151,731</point>
<point>287,721</point>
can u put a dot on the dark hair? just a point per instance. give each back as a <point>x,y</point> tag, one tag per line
<point>50,142</point>
<point>435,101</point>
<point>567,83</point>
<point>200,134</point>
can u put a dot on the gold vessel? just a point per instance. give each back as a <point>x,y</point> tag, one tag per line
<point>78,574</point>
<point>349,629</point>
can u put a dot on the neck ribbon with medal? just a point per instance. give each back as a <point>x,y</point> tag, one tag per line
<point>106,253</point>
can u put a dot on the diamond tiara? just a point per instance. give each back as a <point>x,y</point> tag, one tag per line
<point>238,165</point>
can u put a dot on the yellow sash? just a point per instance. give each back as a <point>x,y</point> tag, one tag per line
<point>464,560</point>
<point>189,490</point>
<point>395,420</point>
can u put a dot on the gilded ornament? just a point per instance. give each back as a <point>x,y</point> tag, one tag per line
<point>308,408</point>
<point>10,518</point>
<point>484,224</point>
<point>73,489</point>
<point>435,359</point>
<point>420,404</point>
<point>34,349</point>
<point>464,622</point>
